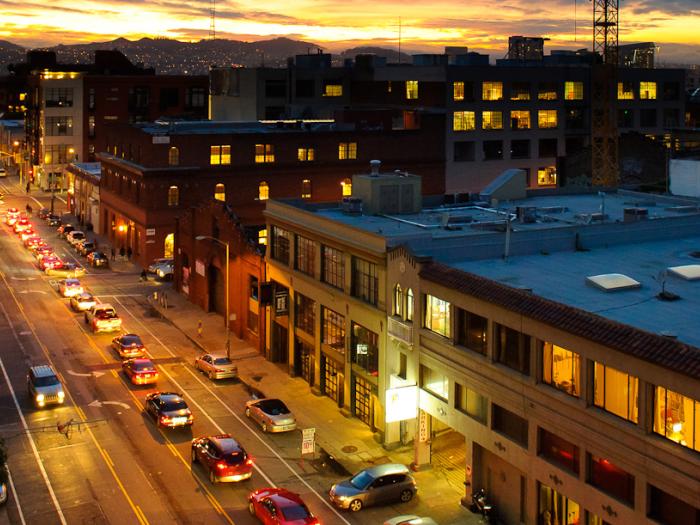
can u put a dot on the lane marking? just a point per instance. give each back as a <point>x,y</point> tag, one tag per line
<point>237,417</point>
<point>14,491</point>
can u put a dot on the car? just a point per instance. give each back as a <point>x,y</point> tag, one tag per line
<point>223,457</point>
<point>26,233</point>
<point>153,267</point>
<point>74,236</point>
<point>103,318</point>
<point>166,271</point>
<point>375,485</point>
<point>410,519</point>
<point>44,213</point>
<point>140,371</point>
<point>53,220</point>
<point>70,287</point>
<point>3,171</point>
<point>82,302</point>
<point>44,387</point>
<point>41,249</point>
<point>32,241</point>
<point>11,216</point>
<point>65,229</point>
<point>129,346</point>
<point>66,270</point>
<point>271,414</point>
<point>97,260</point>
<point>49,261</point>
<point>22,224</point>
<point>85,247</point>
<point>278,505</point>
<point>168,409</point>
<point>216,366</point>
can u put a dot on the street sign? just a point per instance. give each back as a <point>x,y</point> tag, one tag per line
<point>308,444</point>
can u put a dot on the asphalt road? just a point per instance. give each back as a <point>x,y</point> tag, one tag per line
<point>109,463</point>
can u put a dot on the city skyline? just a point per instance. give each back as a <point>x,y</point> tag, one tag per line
<point>336,25</point>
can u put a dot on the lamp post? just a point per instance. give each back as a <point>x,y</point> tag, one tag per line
<point>228,315</point>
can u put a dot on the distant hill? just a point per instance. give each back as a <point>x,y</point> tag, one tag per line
<point>390,55</point>
<point>10,53</point>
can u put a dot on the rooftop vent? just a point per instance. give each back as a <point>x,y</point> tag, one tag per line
<point>612,282</point>
<point>635,214</point>
<point>526,214</point>
<point>374,166</point>
<point>352,205</point>
<point>689,272</point>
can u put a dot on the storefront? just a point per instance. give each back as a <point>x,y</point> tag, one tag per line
<point>554,508</point>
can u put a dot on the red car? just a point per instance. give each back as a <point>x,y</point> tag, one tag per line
<point>34,240</point>
<point>22,224</point>
<point>26,233</point>
<point>40,251</point>
<point>49,262</point>
<point>223,457</point>
<point>140,371</point>
<point>280,506</point>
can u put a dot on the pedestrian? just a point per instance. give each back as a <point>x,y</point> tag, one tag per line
<point>122,252</point>
<point>27,187</point>
<point>113,253</point>
<point>128,253</point>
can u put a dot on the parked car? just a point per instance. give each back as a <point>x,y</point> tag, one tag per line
<point>278,505</point>
<point>271,414</point>
<point>85,247</point>
<point>153,267</point>
<point>82,302</point>
<point>44,387</point>
<point>53,220</point>
<point>97,260</point>
<point>69,287</point>
<point>165,271</point>
<point>103,318</point>
<point>216,366</point>
<point>66,269</point>
<point>376,485</point>
<point>44,212</point>
<point>65,229</point>
<point>168,409</point>
<point>140,371</point>
<point>223,457</point>
<point>3,171</point>
<point>74,236</point>
<point>410,519</point>
<point>128,346</point>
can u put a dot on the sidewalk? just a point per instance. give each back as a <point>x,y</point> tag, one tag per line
<point>348,441</point>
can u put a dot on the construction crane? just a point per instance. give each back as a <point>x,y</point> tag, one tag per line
<point>604,136</point>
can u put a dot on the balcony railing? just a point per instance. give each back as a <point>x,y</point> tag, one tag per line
<point>401,330</point>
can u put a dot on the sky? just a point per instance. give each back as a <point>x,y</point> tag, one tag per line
<point>425,25</point>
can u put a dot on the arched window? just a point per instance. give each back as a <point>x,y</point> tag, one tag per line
<point>263,191</point>
<point>409,305</point>
<point>173,156</point>
<point>347,187</point>
<point>220,192</point>
<point>306,189</point>
<point>173,196</point>
<point>398,300</point>
<point>169,245</point>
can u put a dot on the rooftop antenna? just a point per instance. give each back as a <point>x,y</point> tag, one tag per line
<point>399,40</point>
<point>212,20</point>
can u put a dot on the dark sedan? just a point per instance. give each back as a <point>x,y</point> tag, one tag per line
<point>128,346</point>
<point>168,409</point>
<point>97,260</point>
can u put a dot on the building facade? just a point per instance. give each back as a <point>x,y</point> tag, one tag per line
<point>83,193</point>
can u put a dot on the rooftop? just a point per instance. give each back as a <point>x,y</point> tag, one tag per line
<point>210,127</point>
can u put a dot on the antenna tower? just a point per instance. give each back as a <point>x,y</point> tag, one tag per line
<point>212,20</point>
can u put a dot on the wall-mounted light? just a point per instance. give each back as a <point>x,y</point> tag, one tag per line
<point>122,228</point>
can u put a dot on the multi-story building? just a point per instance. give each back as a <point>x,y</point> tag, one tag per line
<point>84,193</point>
<point>547,348</point>
<point>152,172</point>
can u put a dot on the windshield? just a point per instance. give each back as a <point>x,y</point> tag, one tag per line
<point>361,480</point>
<point>46,381</point>
<point>174,404</point>
<point>106,314</point>
<point>144,366</point>
<point>222,361</point>
<point>297,512</point>
<point>273,407</point>
<point>131,340</point>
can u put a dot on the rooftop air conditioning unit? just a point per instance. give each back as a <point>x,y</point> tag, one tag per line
<point>352,205</point>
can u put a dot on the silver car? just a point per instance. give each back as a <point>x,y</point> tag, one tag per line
<point>410,519</point>
<point>376,485</point>
<point>44,387</point>
<point>271,414</point>
<point>216,366</point>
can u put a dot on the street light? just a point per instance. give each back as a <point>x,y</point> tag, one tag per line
<point>228,315</point>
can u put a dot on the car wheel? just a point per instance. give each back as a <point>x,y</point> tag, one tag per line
<point>247,411</point>
<point>194,456</point>
<point>251,508</point>
<point>406,496</point>
<point>355,505</point>
<point>211,375</point>
<point>212,476</point>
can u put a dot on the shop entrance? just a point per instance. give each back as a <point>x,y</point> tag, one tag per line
<point>331,379</point>
<point>279,345</point>
<point>304,360</point>
<point>448,453</point>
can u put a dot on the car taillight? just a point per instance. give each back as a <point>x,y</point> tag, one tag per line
<point>221,465</point>
<point>249,462</point>
<point>164,419</point>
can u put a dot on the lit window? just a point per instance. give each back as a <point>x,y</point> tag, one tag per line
<point>647,90</point>
<point>547,118</point>
<point>412,89</point>
<point>173,156</point>
<point>173,196</point>
<point>677,418</point>
<point>492,120</point>
<point>262,236</point>
<point>625,91</point>
<point>547,176</point>
<point>264,153</point>
<point>347,187</point>
<point>458,91</point>
<point>347,150</point>
<point>398,301</point>
<point>615,392</point>
<point>220,155</point>
<point>306,189</point>
<point>437,315</point>
<point>561,368</point>
<point>573,90</point>
<point>306,154</point>
<point>220,192</point>
<point>333,90</point>
<point>464,121</point>
<point>520,119</point>
<point>409,305</point>
<point>492,91</point>
<point>434,382</point>
<point>169,245</point>
<point>263,191</point>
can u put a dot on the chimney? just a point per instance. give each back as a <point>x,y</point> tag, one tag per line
<point>374,164</point>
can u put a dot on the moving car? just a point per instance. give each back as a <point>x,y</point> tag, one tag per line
<point>3,172</point>
<point>168,409</point>
<point>41,247</point>
<point>44,212</point>
<point>223,457</point>
<point>22,224</point>
<point>128,346</point>
<point>26,233</point>
<point>33,241</point>
<point>97,259</point>
<point>280,506</point>
<point>410,519</point>
<point>66,269</point>
<point>53,220</point>
<point>82,302</point>
<point>140,371</point>
<point>12,216</point>
<point>103,318</point>
<point>153,267</point>
<point>216,366</point>
<point>271,414</point>
<point>376,485</point>
<point>70,287</point>
<point>44,387</point>
<point>49,261</point>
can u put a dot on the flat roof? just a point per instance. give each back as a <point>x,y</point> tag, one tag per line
<point>213,127</point>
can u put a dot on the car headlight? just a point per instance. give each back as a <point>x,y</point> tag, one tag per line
<point>40,398</point>
<point>160,273</point>
<point>61,394</point>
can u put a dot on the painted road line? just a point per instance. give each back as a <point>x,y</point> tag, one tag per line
<point>14,491</point>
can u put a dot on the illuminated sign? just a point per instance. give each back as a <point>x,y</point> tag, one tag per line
<point>401,403</point>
